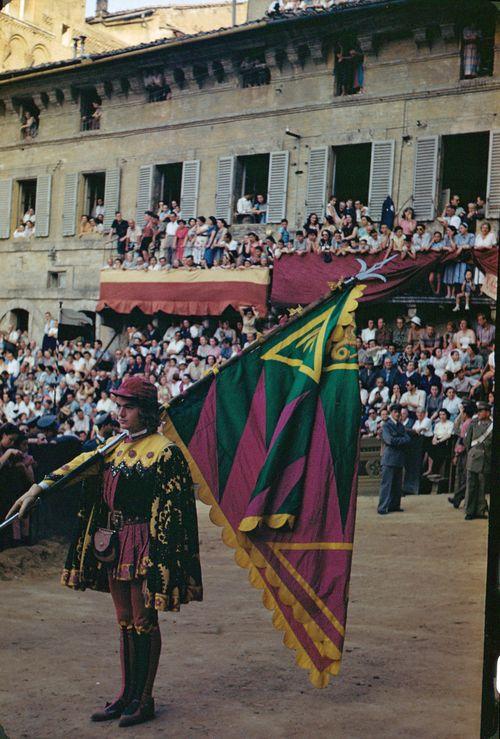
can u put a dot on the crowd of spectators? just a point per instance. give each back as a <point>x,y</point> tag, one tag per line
<point>66,387</point>
<point>437,379</point>
<point>167,241</point>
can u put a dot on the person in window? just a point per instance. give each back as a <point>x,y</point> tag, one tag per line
<point>95,116</point>
<point>471,57</point>
<point>29,126</point>
<point>29,230</point>
<point>19,231</point>
<point>312,223</point>
<point>98,209</point>
<point>244,208</point>
<point>29,216</point>
<point>407,222</point>
<point>84,227</point>
<point>259,209</point>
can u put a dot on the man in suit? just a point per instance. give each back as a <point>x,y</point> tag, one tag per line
<point>395,439</point>
<point>478,443</point>
<point>389,373</point>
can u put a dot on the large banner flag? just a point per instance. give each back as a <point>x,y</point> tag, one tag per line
<point>272,440</point>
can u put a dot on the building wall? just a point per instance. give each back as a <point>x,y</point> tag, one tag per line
<point>410,92</point>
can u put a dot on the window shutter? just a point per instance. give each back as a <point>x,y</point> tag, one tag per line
<point>70,199</point>
<point>144,191</point>
<point>225,187</point>
<point>42,204</point>
<point>381,174</point>
<point>189,188</point>
<point>425,178</point>
<point>493,188</point>
<point>316,181</point>
<point>277,186</point>
<point>111,196</point>
<point>5,207</point>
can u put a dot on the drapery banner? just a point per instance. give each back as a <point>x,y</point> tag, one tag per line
<point>303,279</point>
<point>272,441</point>
<point>197,292</point>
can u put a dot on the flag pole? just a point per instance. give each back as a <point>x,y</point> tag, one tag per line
<point>341,286</point>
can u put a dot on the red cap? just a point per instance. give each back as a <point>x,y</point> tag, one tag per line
<point>138,388</point>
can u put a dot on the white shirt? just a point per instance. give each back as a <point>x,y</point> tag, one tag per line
<point>243,206</point>
<point>439,364</point>
<point>384,394</point>
<point>171,228</point>
<point>105,406</point>
<point>368,334</point>
<point>423,427</point>
<point>485,241</point>
<point>13,367</point>
<point>413,400</point>
<point>452,405</point>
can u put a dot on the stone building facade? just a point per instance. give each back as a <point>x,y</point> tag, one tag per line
<point>186,119</point>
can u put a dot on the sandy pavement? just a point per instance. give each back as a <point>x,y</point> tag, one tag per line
<point>412,661</point>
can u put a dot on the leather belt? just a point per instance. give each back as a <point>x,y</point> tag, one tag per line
<point>117,520</point>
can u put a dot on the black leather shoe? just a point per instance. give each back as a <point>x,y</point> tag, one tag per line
<point>110,712</point>
<point>138,713</point>
<point>469,518</point>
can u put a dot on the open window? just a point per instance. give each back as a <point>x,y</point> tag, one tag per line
<point>254,71</point>
<point>90,109</point>
<point>349,66</point>
<point>351,172</point>
<point>94,184</point>
<point>167,183</point>
<point>156,86</point>
<point>477,45</point>
<point>26,200</point>
<point>30,117</point>
<point>464,167</point>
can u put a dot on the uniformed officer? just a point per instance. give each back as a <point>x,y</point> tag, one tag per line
<point>105,427</point>
<point>478,442</point>
<point>395,439</point>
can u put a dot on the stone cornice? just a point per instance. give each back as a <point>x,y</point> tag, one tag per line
<point>334,104</point>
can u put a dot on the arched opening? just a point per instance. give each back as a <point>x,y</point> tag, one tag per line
<point>20,319</point>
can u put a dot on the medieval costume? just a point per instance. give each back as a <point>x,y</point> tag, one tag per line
<point>142,495</point>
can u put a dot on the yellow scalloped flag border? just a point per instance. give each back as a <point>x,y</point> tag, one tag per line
<point>249,557</point>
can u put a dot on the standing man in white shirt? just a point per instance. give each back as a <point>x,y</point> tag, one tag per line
<point>244,208</point>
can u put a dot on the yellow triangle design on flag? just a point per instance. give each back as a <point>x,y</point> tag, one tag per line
<point>309,338</point>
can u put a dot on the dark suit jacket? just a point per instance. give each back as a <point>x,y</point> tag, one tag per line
<point>395,440</point>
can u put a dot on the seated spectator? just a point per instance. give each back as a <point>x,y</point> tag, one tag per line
<point>379,396</point>
<point>421,239</point>
<point>467,289</point>
<point>452,403</point>
<point>413,398</point>
<point>464,336</point>
<point>29,230</point>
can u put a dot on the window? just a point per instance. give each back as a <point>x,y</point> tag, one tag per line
<point>30,118</point>
<point>254,71</point>
<point>252,175</point>
<point>27,197</point>
<point>349,67</point>
<point>94,184</point>
<point>156,86</point>
<point>464,166</point>
<point>90,109</point>
<point>351,172</point>
<point>167,183</point>
<point>56,280</point>
<point>477,47</point>
<point>20,319</point>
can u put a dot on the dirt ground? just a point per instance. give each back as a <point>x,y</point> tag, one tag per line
<point>412,660</point>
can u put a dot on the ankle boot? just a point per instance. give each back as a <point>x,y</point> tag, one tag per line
<point>114,709</point>
<point>141,708</point>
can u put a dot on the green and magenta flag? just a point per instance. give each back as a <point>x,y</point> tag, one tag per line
<point>272,441</point>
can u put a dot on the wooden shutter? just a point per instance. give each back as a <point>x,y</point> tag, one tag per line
<point>70,200</point>
<point>316,181</point>
<point>189,188</point>
<point>144,190</point>
<point>111,196</point>
<point>425,178</point>
<point>381,174</point>
<point>42,204</point>
<point>493,187</point>
<point>5,207</point>
<point>225,188</point>
<point>277,186</point>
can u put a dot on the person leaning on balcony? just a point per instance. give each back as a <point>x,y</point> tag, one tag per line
<point>19,231</point>
<point>85,226</point>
